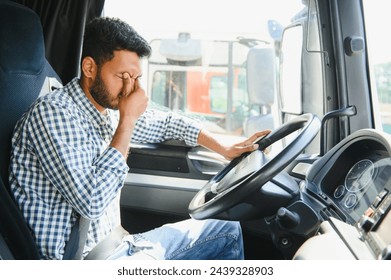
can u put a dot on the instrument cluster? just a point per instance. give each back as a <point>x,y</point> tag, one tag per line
<point>355,183</point>
<point>350,177</point>
<point>361,185</point>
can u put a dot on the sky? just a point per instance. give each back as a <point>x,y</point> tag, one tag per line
<point>154,18</point>
<point>378,22</point>
<point>158,18</point>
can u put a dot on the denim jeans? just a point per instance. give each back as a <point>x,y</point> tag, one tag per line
<point>186,240</point>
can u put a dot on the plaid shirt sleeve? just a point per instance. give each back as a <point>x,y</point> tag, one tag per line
<point>88,179</point>
<point>155,126</point>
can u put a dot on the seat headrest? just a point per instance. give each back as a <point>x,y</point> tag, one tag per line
<point>23,70</point>
<point>22,47</point>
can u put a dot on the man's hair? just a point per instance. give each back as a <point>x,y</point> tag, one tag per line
<point>105,35</point>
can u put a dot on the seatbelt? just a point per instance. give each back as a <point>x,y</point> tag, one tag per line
<point>77,240</point>
<point>108,245</point>
<point>5,253</point>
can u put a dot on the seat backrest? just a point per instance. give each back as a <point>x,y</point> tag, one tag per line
<point>23,72</point>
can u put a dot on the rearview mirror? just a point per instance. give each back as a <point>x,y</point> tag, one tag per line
<point>291,68</point>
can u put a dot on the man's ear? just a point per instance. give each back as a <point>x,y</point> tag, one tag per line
<point>89,67</point>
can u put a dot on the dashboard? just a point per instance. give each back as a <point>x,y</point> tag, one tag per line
<point>359,185</point>
<point>353,178</point>
<point>352,184</point>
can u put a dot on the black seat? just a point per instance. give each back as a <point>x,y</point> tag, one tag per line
<point>24,73</point>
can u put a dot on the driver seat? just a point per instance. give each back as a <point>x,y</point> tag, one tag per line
<point>24,75</point>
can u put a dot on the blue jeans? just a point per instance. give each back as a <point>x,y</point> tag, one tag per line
<point>187,240</point>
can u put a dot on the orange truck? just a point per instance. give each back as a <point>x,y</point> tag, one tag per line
<point>207,79</point>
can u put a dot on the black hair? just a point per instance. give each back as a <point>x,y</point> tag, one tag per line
<point>104,35</point>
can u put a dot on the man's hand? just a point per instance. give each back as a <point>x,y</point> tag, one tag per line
<point>132,103</point>
<point>247,145</point>
<point>230,152</point>
<point>133,100</point>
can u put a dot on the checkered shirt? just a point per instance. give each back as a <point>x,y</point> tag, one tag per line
<point>62,165</point>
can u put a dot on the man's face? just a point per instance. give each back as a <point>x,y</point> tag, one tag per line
<point>107,86</point>
<point>101,95</point>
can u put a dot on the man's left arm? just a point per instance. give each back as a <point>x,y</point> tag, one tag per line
<point>156,126</point>
<point>229,151</point>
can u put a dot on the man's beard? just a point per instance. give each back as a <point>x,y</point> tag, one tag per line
<point>100,93</point>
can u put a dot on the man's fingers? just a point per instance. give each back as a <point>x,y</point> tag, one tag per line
<point>258,134</point>
<point>127,84</point>
<point>136,85</point>
<point>255,137</point>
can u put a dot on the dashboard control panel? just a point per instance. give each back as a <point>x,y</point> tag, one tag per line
<point>375,226</point>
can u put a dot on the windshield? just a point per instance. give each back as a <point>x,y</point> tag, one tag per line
<point>376,18</point>
<point>218,61</point>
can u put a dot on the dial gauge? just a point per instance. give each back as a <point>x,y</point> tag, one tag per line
<point>339,191</point>
<point>350,200</point>
<point>359,175</point>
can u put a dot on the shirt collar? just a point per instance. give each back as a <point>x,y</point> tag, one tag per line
<point>100,121</point>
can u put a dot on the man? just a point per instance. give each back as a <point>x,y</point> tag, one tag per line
<point>68,160</point>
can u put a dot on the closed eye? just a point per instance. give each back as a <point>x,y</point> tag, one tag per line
<point>119,76</point>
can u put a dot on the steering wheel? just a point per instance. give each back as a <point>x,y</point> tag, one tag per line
<point>252,186</point>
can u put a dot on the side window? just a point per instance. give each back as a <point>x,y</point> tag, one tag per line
<point>158,90</point>
<point>217,91</point>
<point>377,18</point>
<point>207,81</point>
<point>168,89</point>
<point>301,77</point>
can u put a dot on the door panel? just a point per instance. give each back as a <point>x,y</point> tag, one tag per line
<point>162,180</point>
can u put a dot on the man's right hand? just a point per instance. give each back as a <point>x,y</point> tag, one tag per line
<point>132,103</point>
<point>133,100</point>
